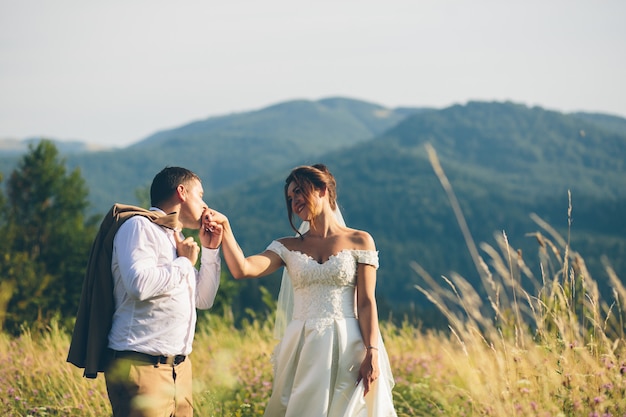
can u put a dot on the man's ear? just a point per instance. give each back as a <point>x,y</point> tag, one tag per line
<point>322,191</point>
<point>181,192</point>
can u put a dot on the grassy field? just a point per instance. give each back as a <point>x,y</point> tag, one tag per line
<point>558,351</point>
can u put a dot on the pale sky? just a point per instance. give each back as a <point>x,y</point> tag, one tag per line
<point>114,72</point>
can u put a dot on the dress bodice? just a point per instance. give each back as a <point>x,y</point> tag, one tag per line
<point>324,290</point>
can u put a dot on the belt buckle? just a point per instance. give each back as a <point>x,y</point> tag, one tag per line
<point>166,360</point>
<point>171,360</point>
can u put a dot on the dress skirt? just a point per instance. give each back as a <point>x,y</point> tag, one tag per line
<point>316,369</point>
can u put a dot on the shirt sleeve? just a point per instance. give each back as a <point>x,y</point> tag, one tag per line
<point>208,280</point>
<point>138,251</point>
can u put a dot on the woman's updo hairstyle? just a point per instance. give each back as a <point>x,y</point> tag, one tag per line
<point>310,178</point>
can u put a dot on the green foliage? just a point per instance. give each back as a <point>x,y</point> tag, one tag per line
<point>46,241</point>
<point>611,123</point>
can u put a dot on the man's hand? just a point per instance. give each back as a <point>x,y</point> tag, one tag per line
<point>211,231</point>
<point>187,248</point>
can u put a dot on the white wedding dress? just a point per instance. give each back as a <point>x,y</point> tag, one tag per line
<point>318,359</point>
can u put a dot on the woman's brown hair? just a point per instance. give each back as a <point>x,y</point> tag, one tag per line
<point>310,178</point>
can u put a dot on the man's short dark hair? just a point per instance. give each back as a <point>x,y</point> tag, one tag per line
<point>165,183</point>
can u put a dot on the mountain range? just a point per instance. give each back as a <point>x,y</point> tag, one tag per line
<point>504,161</point>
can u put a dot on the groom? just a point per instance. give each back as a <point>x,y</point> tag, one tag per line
<point>155,290</point>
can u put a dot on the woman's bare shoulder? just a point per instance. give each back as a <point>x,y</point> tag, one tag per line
<point>361,239</point>
<point>290,242</point>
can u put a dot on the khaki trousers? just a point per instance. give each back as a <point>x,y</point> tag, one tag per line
<point>137,389</point>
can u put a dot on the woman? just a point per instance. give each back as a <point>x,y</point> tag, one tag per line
<point>331,361</point>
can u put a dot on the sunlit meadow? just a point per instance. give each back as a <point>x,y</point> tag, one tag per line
<point>559,351</point>
<point>556,353</point>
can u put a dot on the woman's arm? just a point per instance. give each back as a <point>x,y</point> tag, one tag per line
<point>367,311</point>
<point>240,266</point>
<point>368,323</point>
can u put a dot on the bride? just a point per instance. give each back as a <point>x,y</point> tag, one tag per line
<point>331,361</point>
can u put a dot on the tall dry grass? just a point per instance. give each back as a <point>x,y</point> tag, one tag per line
<point>559,351</point>
<point>543,360</point>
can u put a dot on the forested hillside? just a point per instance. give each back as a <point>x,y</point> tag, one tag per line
<point>226,150</point>
<point>230,149</point>
<point>505,161</point>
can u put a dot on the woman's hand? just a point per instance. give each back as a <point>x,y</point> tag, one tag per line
<point>369,371</point>
<point>212,228</point>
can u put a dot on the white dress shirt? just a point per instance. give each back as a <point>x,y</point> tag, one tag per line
<point>157,292</point>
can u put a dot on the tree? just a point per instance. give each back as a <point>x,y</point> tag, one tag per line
<point>47,239</point>
<point>7,260</point>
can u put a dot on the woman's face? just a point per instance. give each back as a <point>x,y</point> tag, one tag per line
<point>298,201</point>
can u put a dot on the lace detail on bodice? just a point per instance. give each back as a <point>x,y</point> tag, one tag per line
<point>323,291</point>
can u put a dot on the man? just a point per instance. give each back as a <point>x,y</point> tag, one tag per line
<point>156,291</point>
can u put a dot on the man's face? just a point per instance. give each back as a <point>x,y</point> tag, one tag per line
<point>193,205</point>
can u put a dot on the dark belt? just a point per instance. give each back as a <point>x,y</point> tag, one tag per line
<point>151,359</point>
